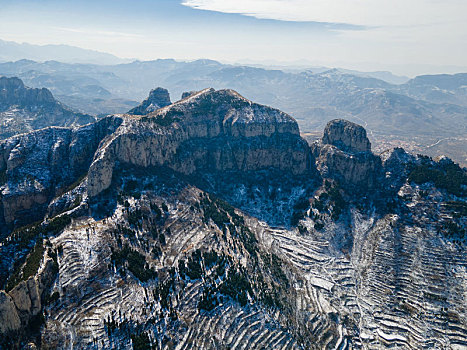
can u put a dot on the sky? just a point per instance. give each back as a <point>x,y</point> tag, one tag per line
<point>403,36</point>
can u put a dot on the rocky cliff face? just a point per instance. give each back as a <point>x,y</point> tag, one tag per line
<point>211,130</point>
<point>344,154</point>
<point>27,296</point>
<point>23,109</point>
<point>25,301</point>
<point>8,314</point>
<point>13,92</point>
<point>158,98</point>
<point>210,223</point>
<point>40,165</point>
<point>346,136</point>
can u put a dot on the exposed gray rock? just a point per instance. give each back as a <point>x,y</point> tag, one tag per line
<point>9,319</point>
<point>13,92</point>
<point>27,294</point>
<point>344,154</point>
<point>41,164</point>
<point>352,274</point>
<point>186,94</point>
<point>397,164</point>
<point>24,301</point>
<point>22,298</point>
<point>158,98</point>
<point>360,170</point>
<point>217,130</point>
<point>23,109</point>
<point>347,136</point>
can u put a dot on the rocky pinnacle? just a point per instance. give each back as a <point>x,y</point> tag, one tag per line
<point>346,136</point>
<point>157,98</point>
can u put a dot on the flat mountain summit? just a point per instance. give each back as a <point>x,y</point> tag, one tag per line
<point>210,223</point>
<point>346,135</point>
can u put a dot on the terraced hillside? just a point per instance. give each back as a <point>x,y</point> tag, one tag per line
<point>211,224</point>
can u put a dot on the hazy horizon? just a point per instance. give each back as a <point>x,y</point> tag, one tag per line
<point>423,37</point>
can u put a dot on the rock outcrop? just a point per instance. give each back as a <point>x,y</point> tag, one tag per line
<point>24,301</point>
<point>14,93</point>
<point>9,319</point>
<point>358,171</point>
<point>24,109</point>
<point>158,98</point>
<point>186,94</point>
<point>178,239</point>
<point>346,136</point>
<point>211,130</point>
<point>344,154</point>
<point>41,164</point>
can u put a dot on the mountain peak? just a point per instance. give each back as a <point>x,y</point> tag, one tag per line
<point>186,94</point>
<point>157,98</point>
<point>214,209</point>
<point>24,109</point>
<point>347,136</point>
<point>213,98</point>
<point>228,109</point>
<point>13,92</point>
<point>6,83</point>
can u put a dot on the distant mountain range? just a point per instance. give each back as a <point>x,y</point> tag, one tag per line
<point>13,51</point>
<point>428,114</point>
<point>383,75</point>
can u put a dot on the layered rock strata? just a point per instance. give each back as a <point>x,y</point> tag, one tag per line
<point>211,130</point>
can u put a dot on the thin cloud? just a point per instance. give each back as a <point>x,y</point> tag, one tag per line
<point>354,12</point>
<point>99,32</point>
